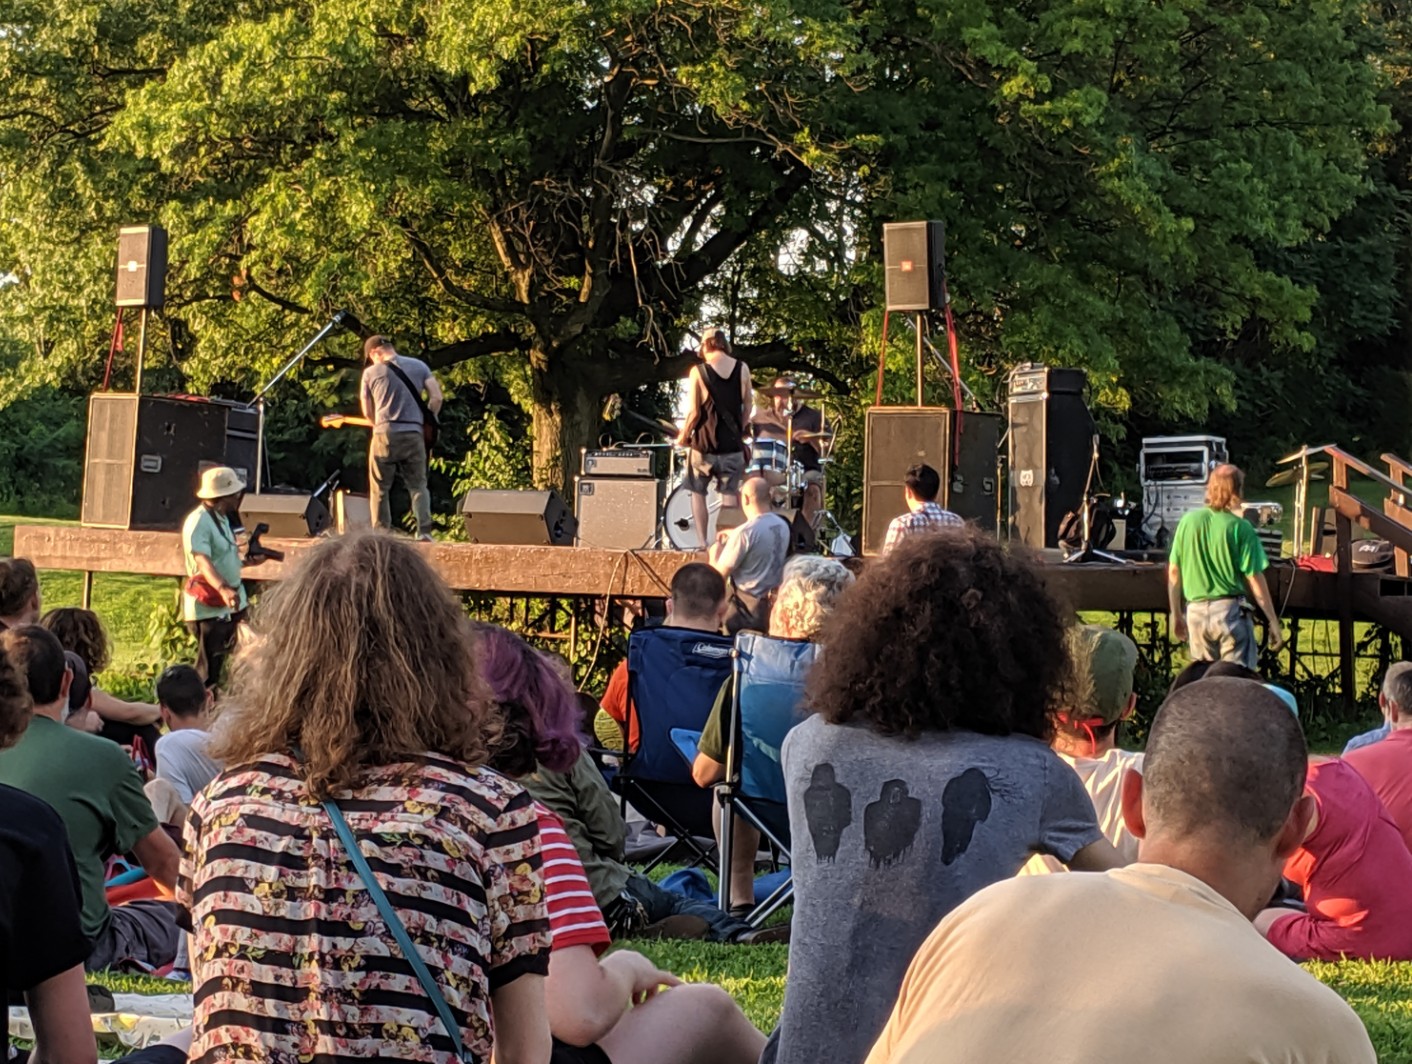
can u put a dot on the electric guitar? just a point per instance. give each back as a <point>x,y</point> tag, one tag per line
<point>339,421</point>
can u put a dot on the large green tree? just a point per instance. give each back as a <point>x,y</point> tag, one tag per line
<point>548,195</point>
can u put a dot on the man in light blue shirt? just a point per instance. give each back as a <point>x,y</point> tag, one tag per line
<point>212,556</point>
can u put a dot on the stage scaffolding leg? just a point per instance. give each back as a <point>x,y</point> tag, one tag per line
<point>87,589</point>
<point>1345,610</point>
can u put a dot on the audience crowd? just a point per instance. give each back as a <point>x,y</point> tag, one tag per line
<point>379,830</point>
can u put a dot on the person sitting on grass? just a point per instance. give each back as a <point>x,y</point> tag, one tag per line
<point>1098,696</point>
<point>698,603</point>
<point>923,775</point>
<point>1353,869</point>
<point>602,1009</point>
<point>182,759</point>
<point>95,789</point>
<point>810,590</point>
<point>1185,978</point>
<point>361,689</point>
<point>632,905</point>
<point>42,944</point>
<point>20,597</point>
<point>1387,766</point>
<point>82,632</point>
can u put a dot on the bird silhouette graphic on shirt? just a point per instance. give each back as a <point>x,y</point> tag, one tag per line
<point>890,824</point>
<point>965,803</point>
<point>828,810</point>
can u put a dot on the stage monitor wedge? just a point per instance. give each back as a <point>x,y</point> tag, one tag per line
<point>523,518</point>
<point>914,261</point>
<point>290,516</point>
<point>142,267</point>
<point>900,436</point>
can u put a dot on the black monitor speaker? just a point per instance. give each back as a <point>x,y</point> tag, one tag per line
<point>914,258</point>
<point>1051,449</point>
<point>142,266</point>
<point>526,518</point>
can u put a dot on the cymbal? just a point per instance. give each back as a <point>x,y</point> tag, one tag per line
<point>813,437</point>
<point>1291,475</point>
<point>1304,452</point>
<point>789,391</point>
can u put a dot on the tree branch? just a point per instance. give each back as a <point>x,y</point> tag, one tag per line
<point>450,287</point>
<point>504,341</point>
<point>278,301</point>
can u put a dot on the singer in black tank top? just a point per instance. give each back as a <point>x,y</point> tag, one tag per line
<point>714,432</point>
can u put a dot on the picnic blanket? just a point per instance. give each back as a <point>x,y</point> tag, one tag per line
<point>137,1020</point>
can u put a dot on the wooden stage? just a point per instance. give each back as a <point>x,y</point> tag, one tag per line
<point>587,572</point>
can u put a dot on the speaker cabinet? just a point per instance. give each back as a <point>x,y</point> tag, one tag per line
<point>619,513</point>
<point>914,260</point>
<point>1051,448</point>
<point>527,518</point>
<point>145,454</point>
<point>142,266</point>
<point>351,511</point>
<point>900,436</point>
<point>289,516</point>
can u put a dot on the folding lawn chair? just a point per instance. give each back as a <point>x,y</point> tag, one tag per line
<point>768,699</point>
<point>674,677</point>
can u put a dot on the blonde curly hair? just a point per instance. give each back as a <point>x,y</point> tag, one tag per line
<point>361,657</point>
<point>807,595</point>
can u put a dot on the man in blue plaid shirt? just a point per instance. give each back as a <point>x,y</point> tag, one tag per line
<point>921,486</point>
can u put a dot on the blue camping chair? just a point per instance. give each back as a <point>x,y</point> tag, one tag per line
<point>674,676</point>
<point>768,701</point>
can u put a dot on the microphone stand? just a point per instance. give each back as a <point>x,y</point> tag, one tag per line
<point>340,320</point>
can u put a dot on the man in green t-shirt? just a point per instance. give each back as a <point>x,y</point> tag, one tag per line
<point>211,552</point>
<point>1216,557</point>
<point>96,791</point>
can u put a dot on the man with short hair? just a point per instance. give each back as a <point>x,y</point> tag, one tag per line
<point>213,562</point>
<point>751,557</point>
<point>921,485</point>
<point>20,598</point>
<point>98,794</point>
<point>1215,558</point>
<point>1097,698</point>
<point>1387,765</point>
<point>181,753</point>
<point>698,603</point>
<point>390,395</point>
<point>1218,808</point>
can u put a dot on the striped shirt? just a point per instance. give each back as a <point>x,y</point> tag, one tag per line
<point>291,961</point>
<point>928,518</point>
<point>574,917</point>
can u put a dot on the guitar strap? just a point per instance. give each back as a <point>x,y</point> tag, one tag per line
<point>428,418</point>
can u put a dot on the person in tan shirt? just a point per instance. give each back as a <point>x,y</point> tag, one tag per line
<point>1159,961</point>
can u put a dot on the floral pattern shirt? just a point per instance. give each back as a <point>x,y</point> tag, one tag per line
<point>292,963</point>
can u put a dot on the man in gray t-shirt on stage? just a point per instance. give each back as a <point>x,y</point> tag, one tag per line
<point>752,558</point>
<point>398,446</point>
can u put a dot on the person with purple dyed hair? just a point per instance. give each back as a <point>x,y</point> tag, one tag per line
<point>614,1009</point>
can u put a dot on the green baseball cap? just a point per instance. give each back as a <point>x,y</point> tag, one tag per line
<point>1101,679</point>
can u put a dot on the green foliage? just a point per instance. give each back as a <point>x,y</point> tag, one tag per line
<point>41,453</point>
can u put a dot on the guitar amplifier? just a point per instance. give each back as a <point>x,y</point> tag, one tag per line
<point>619,462</point>
<point>618,513</point>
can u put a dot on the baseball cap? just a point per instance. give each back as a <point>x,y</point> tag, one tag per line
<point>372,343</point>
<point>81,686</point>
<point>1101,680</point>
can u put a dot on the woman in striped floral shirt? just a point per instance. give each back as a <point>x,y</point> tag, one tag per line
<point>362,687</point>
<point>613,1009</point>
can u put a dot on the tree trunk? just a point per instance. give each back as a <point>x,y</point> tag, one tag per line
<point>565,419</point>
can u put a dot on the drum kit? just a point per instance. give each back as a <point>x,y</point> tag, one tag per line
<point>770,458</point>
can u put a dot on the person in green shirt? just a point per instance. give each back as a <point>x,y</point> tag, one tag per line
<point>1215,559</point>
<point>95,789</point>
<point>209,546</point>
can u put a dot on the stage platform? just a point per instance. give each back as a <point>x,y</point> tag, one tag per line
<point>588,572</point>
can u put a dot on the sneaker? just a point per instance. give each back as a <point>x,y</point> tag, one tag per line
<point>679,925</point>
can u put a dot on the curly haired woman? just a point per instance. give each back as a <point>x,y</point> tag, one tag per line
<point>924,775</point>
<point>362,686</point>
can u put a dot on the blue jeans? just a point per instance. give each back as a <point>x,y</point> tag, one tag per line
<point>661,904</point>
<point>1219,630</point>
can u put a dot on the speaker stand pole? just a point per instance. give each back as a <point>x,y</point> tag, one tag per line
<point>141,352</point>
<point>921,347</point>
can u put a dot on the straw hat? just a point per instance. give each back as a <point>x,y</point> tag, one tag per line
<point>218,482</point>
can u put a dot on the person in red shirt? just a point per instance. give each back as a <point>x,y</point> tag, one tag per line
<point>1353,870</point>
<point>1387,765</point>
<point>619,1008</point>
<point>699,603</point>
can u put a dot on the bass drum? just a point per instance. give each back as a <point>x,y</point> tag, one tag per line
<point>681,526</point>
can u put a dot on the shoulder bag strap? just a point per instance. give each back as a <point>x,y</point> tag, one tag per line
<point>398,929</point>
<point>427,415</point>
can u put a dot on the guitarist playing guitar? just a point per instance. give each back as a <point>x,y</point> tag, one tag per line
<point>404,429</point>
